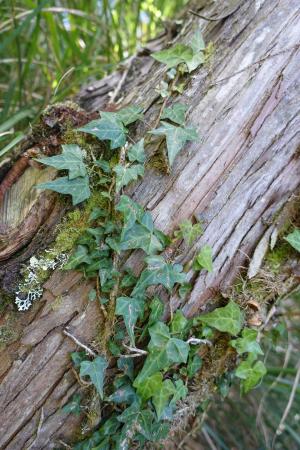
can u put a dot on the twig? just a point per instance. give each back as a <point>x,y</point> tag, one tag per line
<point>40,424</point>
<point>208,439</point>
<point>210,19</point>
<point>136,350</point>
<point>102,307</point>
<point>121,81</point>
<point>196,341</point>
<point>288,406</point>
<point>80,344</point>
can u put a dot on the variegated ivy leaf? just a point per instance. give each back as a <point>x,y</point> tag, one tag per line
<point>176,138</point>
<point>70,159</point>
<point>78,188</point>
<point>159,272</point>
<point>228,319</point>
<point>131,309</point>
<point>176,113</point>
<point>108,128</point>
<point>136,152</point>
<point>96,371</point>
<point>124,175</point>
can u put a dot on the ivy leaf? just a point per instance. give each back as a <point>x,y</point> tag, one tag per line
<point>204,259</point>
<point>159,272</point>
<point>228,319</point>
<point>157,310</point>
<point>176,113</point>
<point>194,365</point>
<point>73,406</point>
<point>188,231</point>
<point>127,366</point>
<point>174,55</point>
<point>294,239</point>
<point>176,138</point>
<point>124,175</point>
<point>130,308</point>
<point>125,394</point>
<point>181,391</point>
<point>197,43</point>
<point>247,343</point>
<point>161,397</point>
<point>80,256</point>
<point>139,236</point>
<point>70,159</point>
<point>250,374</point>
<point>151,385</point>
<point>78,188</point>
<point>108,128</point>
<point>95,370</point>
<point>179,323</point>
<point>163,352</point>
<point>131,211</point>
<point>160,335</point>
<point>195,61</point>
<point>136,152</point>
<point>129,114</point>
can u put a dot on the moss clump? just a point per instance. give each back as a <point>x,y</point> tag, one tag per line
<point>276,258</point>
<point>8,331</point>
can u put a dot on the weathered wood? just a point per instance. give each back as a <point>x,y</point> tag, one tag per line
<point>236,179</point>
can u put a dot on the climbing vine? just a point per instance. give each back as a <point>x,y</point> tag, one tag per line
<point>152,360</point>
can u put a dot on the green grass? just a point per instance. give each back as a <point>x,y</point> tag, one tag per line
<point>48,49</point>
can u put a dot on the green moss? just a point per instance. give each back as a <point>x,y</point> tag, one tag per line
<point>209,52</point>
<point>276,258</point>
<point>8,331</point>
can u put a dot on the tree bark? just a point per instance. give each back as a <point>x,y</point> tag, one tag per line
<point>236,180</point>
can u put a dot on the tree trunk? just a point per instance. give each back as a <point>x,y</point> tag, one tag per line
<point>236,180</point>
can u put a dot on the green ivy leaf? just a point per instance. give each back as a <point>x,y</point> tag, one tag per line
<point>151,385</point>
<point>95,370</point>
<point>174,55</point>
<point>181,391</point>
<point>159,272</point>
<point>188,231</point>
<point>176,138</point>
<point>127,366</point>
<point>157,310</point>
<point>73,406</point>
<point>161,397</point>
<point>131,211</point>
<point>247,343</point>
<point>179,323</point>
<point>108,128</point>
<point>125,394</point>
<point>129,114</point>
<point>197,42</point>
<point>176,113</point>
<point>70,159</point>
<point>250,373</point>
<point>204,259</point>
<point>163,352</point>
<point>136,152</point>
<point>139,236</point>
<point>195,61</point>
<point>294,239</point>
<point>131,309</point>
<point>194,365</point>
<point>124,175</point>
<point>80,256</point>
<point>228,319</point>
<point>78,188</point>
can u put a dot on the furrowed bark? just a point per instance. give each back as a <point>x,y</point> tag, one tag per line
<point>236,179</point>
